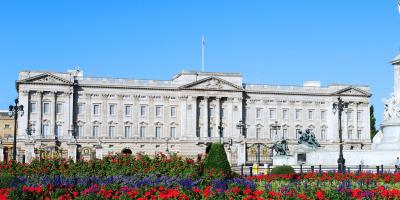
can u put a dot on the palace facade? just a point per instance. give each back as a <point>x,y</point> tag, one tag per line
<point>92,117</point>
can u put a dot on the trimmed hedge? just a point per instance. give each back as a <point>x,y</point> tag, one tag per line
<point>217,160</point>
<point>283,170</point>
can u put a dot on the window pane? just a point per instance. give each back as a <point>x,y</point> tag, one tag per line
<point>173,111</point>
<point>272,114</point>
<point>310,115</point>
<point>142,111</point>
<point>33,107</point>
<point>112,110</point>
<point>81,108</point>
<point>46,107</point>
<point>96,109</point>
<point>323,115</point>
<point>127,131</point>
<point>285,114</point>
<point>173,132</point>
<point>158,132</point>
<point>142,131</point>
<point>158,111</point>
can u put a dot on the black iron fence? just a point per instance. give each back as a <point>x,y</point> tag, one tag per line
<point>245,170</point>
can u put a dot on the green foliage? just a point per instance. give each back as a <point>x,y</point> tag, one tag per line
<point>372,121</point>
<point>217,161</point>
<point>282,170</point>
<point>6,180</point>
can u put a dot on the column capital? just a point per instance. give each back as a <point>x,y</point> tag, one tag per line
<point>25,92</point>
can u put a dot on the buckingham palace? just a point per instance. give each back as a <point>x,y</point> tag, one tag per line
<point>91,117</point>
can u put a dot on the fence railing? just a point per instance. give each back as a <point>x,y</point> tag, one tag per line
<point>244,170</point>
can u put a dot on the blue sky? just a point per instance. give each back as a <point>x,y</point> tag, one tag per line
<point>272,42</point>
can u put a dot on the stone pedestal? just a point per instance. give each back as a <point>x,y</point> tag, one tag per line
<point>99,152</point>
<point>284,160</point>
<point>391,137</point>
<point>241,154</point>
<point>1,153</point>
<point>29,152</point>
<point>72,151</point>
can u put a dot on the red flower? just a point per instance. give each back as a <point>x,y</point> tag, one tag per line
<point>320,195</point>
<point>301,196</point>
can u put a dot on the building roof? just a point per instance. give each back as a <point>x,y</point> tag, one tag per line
<point>396,59</point>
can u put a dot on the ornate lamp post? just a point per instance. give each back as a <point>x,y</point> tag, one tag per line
<point>13,111</point>
<point>339,107</point>
<point>241,125</point>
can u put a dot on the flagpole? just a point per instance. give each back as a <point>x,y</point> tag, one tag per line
<point>202,53</point>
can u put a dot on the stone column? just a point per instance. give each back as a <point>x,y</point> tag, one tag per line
<point>104,113</point>
<point>183,115</point>
<point>205,117</point>
<point>39,124</point>
<point>70,113</point>
<point>29,152</point>
<point>191,117</point>
<point>1,153</point>
<point>136,106</point>
<point>22,123</point>
<point>54,118</point>
<point>241,154</point>
<point>217,116</point>
<point>120,116</point>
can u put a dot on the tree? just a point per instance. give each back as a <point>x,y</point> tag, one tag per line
<point>372,121</point>
<point>217,160</point>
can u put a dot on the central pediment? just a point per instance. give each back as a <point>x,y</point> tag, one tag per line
<point>352,91</point>
<point>211,83</point>
<point>46,78</point>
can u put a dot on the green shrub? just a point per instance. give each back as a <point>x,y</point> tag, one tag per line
<point>6,180</point>
<point>216,162</point>
<point>282,170</point>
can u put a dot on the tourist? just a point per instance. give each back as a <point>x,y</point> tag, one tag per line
<point>397,164</point>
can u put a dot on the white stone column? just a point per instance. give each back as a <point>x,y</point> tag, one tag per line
<point>183,115</point>
<point>22,123</point>
<point>70,113</point>
<point>191,117</point>
<point>241,154</point>
<point>53,128</point>
<point>217,116</point>
<point>1,153</point>
<point>205,117</point>
<point>104,114</point>
<point>120,116</point>
<point>39,123</point>
<point>135,109</point>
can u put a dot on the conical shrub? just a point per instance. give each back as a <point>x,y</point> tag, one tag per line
<point>216,162</point>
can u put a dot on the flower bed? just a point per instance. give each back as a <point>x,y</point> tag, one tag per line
<point>142,177</point>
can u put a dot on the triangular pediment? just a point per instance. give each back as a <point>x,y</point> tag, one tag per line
<point>352,91</point>
<point>211,83</point>
<point>46,78</point>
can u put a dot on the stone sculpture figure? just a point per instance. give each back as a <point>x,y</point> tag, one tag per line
<point>392,108</point>
<point>281,147</point>
<point>308,138</point>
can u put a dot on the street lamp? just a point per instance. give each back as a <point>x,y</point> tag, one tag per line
<point>339,107</point>
<point>166,150</point>
<point>221,129</point>
<point>13,111</point>
<point>241,125</point>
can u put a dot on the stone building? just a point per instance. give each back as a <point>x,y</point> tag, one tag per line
<point>91,117</point>
<point>6,134</point>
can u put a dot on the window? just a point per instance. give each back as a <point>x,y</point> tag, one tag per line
<point>285,114</point>
<point>111,131</point>
<point>45,131</point>
<point>298,114</point>
<point>297,133</point>
<point>173,112</point>
<point>142,132</point>
<point>127,132</point>
<point>6,126</point>
<point>285,133</point>
<point>95,131</point>
<point>112,110</point>
<point>359,116</point>
<point>258,113</point>
<point>128,110</point>
<point>33,107</point>
<point>59,108</point>
<point>158,111</point>
<point>359,134</point>
<point>46,107</point>
<point>58,132</point>
<point>258,133</point>
<point>81,108</point>
<point>158,132</point>
<point>310,115</point>
<point>96,109</point>
<point>80,131</point>
<point>350,115</point>
<point>272,114</point>
<point>142,111</point>
<point>323,134</point>
<point>350,134</point>
<point>173,132</point>
<point>323,115</point>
